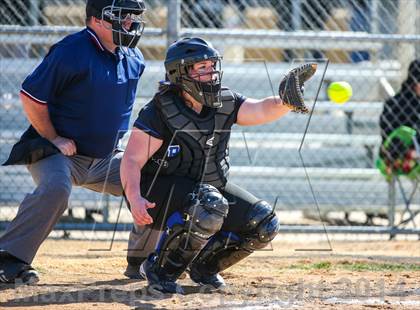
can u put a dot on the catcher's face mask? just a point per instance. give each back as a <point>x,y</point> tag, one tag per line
<point>203,71</point>
<point>203,80</point>
<point>126,21</point>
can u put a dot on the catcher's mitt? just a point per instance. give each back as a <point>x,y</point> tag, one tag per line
<point>291,87</point>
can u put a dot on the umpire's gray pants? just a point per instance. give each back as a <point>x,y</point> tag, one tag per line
<point>40,211</point>
<point>143,240</point>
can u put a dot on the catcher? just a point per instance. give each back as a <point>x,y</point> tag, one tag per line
<point>175,168</point>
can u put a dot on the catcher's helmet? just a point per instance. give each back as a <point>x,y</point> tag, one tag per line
<point>125,17</point>
<point>181,56</point>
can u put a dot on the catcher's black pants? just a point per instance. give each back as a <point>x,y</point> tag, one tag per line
<point>144,239</point>
<point>240,201</point>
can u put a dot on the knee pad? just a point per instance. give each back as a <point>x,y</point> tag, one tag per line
<point>262,226</point>
<point>206,211</point>
<point>226,248</point>
<point>186,234</point>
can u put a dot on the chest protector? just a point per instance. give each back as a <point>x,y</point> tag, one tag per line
<point>197,146</point>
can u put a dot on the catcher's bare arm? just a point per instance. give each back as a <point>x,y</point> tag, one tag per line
<point>257,112</point>
<point>140,148</point>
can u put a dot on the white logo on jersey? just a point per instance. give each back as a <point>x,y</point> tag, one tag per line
<point>173,150</point>
<point>210,141</point>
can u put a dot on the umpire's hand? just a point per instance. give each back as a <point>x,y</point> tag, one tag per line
<point>139,211</point>
<point>66,146</point>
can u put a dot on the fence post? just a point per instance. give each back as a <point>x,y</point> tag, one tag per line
<point>406,25</point>
<point>297,15</point>
<point>33,13</point>
<point>391,207</point>
<point>174,21</point>
<point>105,210</point>
<point>375,16</point>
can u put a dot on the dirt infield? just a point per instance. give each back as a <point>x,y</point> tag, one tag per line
<point>356,275</point>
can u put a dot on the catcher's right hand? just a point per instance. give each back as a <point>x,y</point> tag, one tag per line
<point>291,87</point>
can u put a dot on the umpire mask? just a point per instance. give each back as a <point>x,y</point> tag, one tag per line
<point>125,17</point>
<point>181,57</point>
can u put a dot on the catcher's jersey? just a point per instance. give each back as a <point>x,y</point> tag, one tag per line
<point>194,145</point>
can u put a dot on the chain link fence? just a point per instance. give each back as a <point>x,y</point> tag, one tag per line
<point>368,43</point>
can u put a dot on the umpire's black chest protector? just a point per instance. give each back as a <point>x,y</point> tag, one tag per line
<point>198,146</point>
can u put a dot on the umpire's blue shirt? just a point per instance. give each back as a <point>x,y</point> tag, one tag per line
<point>89,91</point>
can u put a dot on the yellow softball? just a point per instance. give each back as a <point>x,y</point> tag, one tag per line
<point>339,92</point>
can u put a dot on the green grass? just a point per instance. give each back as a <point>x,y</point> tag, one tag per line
<point>311,266</point>
<point>356,266</point>
<point>365,266</point>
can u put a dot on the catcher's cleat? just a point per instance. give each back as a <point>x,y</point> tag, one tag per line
<point>291,87</point>
<point>135,271</point>
<point>15,271</point>
<point>215,280</point>
<point>157,281</point>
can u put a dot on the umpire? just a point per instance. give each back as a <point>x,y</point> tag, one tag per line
<point>78,102</point>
